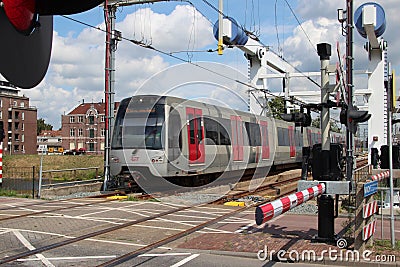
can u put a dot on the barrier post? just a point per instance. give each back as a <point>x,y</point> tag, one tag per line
<point>33,182</point>
<point>1,164</point>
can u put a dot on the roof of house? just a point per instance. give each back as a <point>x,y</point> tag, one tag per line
<point>50,133</point>
<point>84,107</point>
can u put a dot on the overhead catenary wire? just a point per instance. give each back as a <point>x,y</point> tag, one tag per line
<point>301,26</point>
<point>170,54</point>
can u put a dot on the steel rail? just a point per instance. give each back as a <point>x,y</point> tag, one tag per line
<point>86,236</point>
<point>52,210</point>
<point>133,254</point>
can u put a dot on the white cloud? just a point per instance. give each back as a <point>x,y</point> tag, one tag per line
<point>76,71</point>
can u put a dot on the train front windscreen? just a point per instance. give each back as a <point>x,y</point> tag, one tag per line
<point>139,125</point>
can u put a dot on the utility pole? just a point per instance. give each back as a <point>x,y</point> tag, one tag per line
<point>112,38</point>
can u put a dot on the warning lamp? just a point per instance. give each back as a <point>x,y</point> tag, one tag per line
<point>352,116</point>
<point>300,119</point>
<point>26,29</point>
<point>21,14</point>
<point>375,138</point>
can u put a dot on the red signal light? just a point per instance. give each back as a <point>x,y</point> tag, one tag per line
<point>21,14</point>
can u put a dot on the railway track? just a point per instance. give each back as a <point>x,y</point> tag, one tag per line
<point>132,254</point>
<point>41,204</point>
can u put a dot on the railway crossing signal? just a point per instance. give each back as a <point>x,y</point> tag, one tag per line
<point>26,29</point>
<point>300,119</point>
<point>352,116</point>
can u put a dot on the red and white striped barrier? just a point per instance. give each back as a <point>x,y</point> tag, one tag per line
<point>380,176</point>
<point>369,230</point>
<point>370,209</point>
<point>1,162</point>
<point>277,207</point>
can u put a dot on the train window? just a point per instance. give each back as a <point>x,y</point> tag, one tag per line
<point>139,125</point>
<point>191,127</point>
<point>211,129</point>
<point>224,129</point>
<point>116,142</point>
<point>283,136</point>
<point>174,129</point>
<point>254,134</point>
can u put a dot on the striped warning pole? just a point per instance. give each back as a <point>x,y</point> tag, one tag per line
<point>369,230</point>
<point>370,209</point>
<point>277,207</point>
<point>380,176</point>
<point>1,163</point>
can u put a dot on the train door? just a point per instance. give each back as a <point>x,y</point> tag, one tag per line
<point>237,138</point>
<point>292,142</point>
<point>264,141</point>
<point>195,135</point>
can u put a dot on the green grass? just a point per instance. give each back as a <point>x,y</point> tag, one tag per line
<point>386,244</point>
<point>132,198</point>
<point>21,166</point>
<point>11,193</point>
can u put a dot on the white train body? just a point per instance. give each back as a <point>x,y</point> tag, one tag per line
<point>162,136</point>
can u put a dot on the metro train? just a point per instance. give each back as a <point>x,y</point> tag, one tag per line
<point>187,142</point>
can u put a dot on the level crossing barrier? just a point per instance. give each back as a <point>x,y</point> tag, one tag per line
<point>277,207</point>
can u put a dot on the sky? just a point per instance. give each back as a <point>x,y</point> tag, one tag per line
<point>184,30</point>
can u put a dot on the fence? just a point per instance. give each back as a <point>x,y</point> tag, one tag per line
<point>25,180</point>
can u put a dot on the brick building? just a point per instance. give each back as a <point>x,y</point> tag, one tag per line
<point>19,120</point>
<point>84,128</point>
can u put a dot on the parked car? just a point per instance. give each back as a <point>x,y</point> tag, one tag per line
<point>80,151</point>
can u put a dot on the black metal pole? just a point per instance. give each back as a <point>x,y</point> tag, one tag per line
<point>33,182</point>
<point>349,79</point>
<point>326,207</point>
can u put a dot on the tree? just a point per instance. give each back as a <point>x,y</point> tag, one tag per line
<point>42,125</point>
<point>277,106</point>
<point>334,127</point>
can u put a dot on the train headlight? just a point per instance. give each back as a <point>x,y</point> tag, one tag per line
<point>115,159</point>
<point>157,159</point>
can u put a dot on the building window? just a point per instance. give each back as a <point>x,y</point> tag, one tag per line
<point>22,127</point>
<point>102,146</point>
<point>22,138</point>
<point>16,137</point>
<point>71,119</point>
<point>15,103</point>
<point>91,133</point>
<point>16,115</point>
<point>91,119</point>
<point>102,132</point>
<point>72,132</point>
<point>91,146</point>
<point>1,103</point>
<point>23,116</point>
<point>102,118</point>
<point>71,146</point>
<point>22,104</point>
<point>16,148</point>
<point>1,114</point>
<point>80,118</point>
<point>80,132</point>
